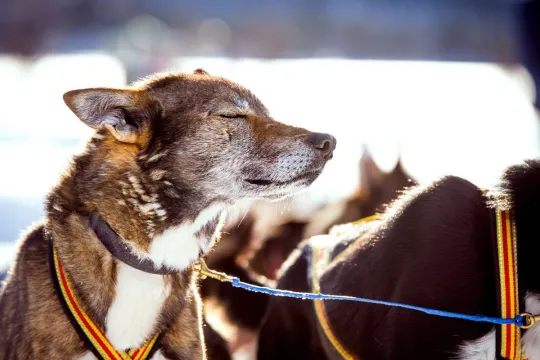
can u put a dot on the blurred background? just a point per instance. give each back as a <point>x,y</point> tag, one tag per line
<point>446,86</point>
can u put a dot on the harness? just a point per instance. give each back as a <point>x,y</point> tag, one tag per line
<point>508,335</point>
<point>93,336</point>
<point>321,258</point>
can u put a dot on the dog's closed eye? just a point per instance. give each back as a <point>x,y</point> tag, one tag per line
<point>233,116</point>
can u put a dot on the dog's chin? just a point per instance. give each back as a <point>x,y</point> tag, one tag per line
<point>281,197</point>
<point>279,190</point>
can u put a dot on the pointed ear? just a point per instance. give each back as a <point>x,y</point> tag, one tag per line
<point>200,72</point>
<point>399,174</point>
<point>125,113</point>
<point>370,174</point>
<point>398,169</point>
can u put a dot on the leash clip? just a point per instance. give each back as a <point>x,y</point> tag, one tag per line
<point>529,320</point>
<point>205,272</point>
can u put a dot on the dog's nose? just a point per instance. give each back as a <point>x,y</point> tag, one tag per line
<point>325,143</point>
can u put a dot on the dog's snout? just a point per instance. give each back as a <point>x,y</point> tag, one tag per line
<point>325,143</point>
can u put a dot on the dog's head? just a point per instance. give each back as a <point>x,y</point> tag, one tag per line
<point>206,135</point>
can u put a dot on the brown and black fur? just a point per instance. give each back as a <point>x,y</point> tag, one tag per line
<point>164,149</point>
<point>434,248</point>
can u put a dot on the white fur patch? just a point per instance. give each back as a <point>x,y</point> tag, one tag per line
<point>158,356</point>
<point>87,356</point>
<point>157,156</point>
<point>484,348</point>
<point>178,247</point>
<point>531,339</point>
<point>157,174</point>
<point>137,303</point>
<point>480,349</point>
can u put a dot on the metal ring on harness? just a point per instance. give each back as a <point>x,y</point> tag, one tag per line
<point>529,320</point>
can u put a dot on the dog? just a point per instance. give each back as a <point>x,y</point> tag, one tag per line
<point>433,247</point>
<point>129,219</point>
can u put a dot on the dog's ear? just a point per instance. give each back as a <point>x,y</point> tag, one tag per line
<point>201,72</point>
<point>125,113</point>
<point>400,176</point>
<point>370,174</point>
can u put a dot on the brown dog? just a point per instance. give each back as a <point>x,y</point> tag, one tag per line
<point>138,207</point>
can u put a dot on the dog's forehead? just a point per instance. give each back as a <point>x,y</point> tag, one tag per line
<point>205,90</point>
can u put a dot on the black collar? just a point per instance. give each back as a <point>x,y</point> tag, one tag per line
<point>120,250</point>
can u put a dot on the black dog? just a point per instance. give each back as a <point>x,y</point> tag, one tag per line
<point>432,248</point>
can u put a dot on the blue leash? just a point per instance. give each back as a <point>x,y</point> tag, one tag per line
<point>518,320</point>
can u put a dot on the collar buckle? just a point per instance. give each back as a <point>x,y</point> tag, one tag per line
<point>202,269</point>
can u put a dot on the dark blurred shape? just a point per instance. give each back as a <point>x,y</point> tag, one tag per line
<point>275,249</point>
<point>216,346</point>
<point>473,30</point>
<point>528,25</point>
<point>241,308</point>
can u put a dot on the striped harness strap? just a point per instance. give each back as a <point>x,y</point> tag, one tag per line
<point>91,330</point>
<point>320,259</point>
<point>321,254</point>
<point>509,336</point>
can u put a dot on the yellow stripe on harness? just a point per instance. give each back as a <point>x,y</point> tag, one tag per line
<point>510,335</point>
<point>320,258</point>
<point>320,261</point>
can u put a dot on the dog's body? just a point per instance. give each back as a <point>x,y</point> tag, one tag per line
<point>170,154</point>
<point>433,248</point>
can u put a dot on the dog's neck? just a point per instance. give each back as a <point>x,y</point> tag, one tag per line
<point>158,219</point>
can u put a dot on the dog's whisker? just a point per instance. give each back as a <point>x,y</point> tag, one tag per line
<point>243,217</point>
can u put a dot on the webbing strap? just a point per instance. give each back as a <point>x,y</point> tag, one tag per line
<point>91,330</point>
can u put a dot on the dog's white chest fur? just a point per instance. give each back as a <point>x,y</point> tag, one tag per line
<point>136,306</point>
<point>140,296</point>
<point>179,246</point>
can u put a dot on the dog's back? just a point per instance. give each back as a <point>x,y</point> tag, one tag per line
<point>431,249</point>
